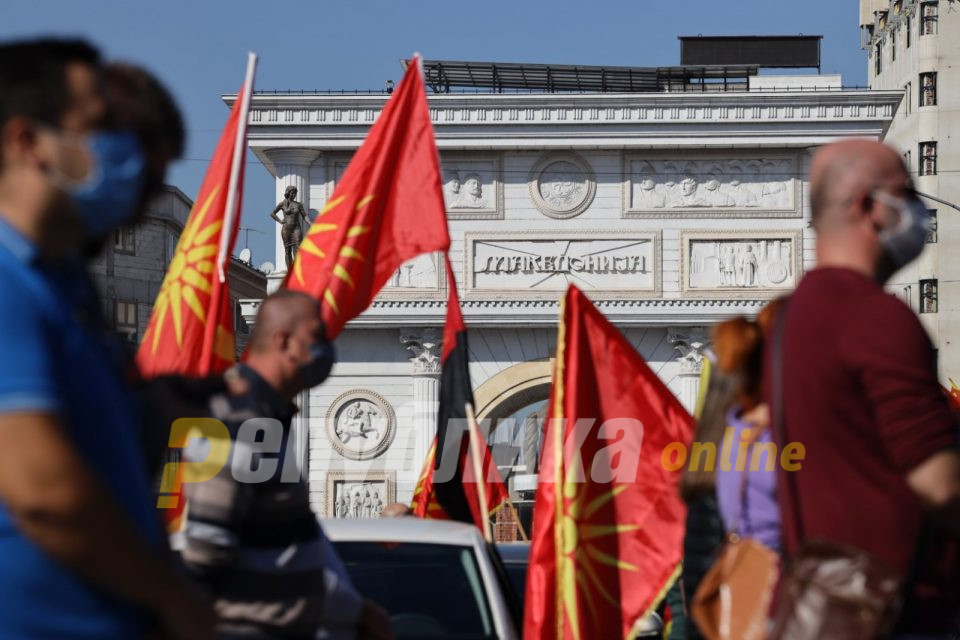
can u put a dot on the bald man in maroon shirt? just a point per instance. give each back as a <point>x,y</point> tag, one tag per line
<point>861,391</point>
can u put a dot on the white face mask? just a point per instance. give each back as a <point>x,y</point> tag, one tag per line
<point>905,240</point>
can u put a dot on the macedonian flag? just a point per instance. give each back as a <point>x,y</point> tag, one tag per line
<point>191,328</point>
<point>608,519</point>
<point>456,493</point>
<point>387,208</point>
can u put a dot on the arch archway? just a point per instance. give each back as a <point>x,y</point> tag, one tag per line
<point>513,388</point>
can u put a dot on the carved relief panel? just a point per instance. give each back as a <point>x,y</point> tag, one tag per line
<point>360,424</point>
<point>472,186</point>
<point>732,185</point>
<point>360,494</point>
<point>543,264</point>
<point>740,264</point>
<point>562,185</point>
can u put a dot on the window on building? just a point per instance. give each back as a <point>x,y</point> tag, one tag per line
<point>928,158</point>
<point>928,296</point>
<point>928,89</point>
<point>125,240</point>
<point>929,18</point>
<point>908,28</point>
<point>125,319</point>
<point>907,97</point>
<point>893,45</point>
<point>932,234</point>
<point>878,59</point>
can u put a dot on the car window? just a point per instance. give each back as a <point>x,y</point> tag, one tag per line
<point>430,590</point>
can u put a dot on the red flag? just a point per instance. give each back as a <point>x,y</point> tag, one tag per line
<point>191,328</point>
<point>387,209</point>
<point>953,394</point>
<point>608,519</point>
<point>457,497</point>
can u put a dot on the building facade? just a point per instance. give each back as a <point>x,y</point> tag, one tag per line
<point>129,271</point>
<point>909,49</point>
<point>672,210</point>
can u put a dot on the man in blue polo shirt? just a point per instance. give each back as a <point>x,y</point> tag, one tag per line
<point>80,546</point>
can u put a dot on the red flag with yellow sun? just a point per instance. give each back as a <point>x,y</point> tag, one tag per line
<point>191,329</point>
<point>387,209</point>
<point>608,519</point>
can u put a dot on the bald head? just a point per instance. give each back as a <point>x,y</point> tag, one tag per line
<point>280,313</point>
<point>843,172</point>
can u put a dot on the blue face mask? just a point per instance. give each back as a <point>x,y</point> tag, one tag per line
<point>108,197</point>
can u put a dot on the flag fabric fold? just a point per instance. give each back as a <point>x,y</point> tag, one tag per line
<point>457,497</point>
<point>608,519</point>
<point>191,330</point>
<point>386,209</point>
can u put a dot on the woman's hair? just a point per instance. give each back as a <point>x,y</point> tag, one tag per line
<point>736,378</point>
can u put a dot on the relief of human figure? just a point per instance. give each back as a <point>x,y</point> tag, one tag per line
<point>472,192</point>
<point>748,268</point>
<point>728,267</point>
<point>648,196</point>
<point>342,507</point>
<point>451,188</point>
<point>714,196</point>
<point>688,194</point>
<point>377,504</point>
<point>367,504</point>
<point>357,505</point>
<point>291,231</point>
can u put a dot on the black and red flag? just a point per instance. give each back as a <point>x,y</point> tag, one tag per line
<point>453,492</point>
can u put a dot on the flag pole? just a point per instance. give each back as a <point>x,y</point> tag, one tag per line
<point>478,472</point>
<point>239,149</point>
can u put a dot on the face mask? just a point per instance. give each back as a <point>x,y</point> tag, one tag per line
<point>905,240</point>
<point>107,198</point>
<point>317,368</point>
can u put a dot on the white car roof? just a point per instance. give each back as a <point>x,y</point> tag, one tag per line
<point>403,529</point>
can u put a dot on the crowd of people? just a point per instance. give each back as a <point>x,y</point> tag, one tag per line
<point>838,366</point>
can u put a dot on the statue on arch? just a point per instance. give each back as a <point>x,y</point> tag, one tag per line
<point>291,230</point>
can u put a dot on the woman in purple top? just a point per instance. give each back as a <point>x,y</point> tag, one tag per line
<point>735,421</point>
<point>751,510</point>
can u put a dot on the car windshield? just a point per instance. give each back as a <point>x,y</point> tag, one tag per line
<point>430,590</point>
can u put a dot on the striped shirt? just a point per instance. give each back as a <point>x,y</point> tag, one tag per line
<point>251,537</point>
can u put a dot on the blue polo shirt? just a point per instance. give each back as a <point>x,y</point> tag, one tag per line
<point>55,357</point>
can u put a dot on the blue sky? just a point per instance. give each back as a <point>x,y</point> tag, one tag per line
<point>198,48</point>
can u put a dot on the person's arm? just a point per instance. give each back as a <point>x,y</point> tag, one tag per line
<point>58,503</point>
<point>937,482</point>
<point>897,367</point>
<point>273,214</point>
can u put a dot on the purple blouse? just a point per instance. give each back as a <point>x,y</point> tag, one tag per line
<point>757,515</point>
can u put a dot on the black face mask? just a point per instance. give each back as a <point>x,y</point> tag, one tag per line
<point>317,368</point>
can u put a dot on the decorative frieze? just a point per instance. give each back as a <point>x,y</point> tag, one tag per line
<point>562,185</point>
<point>739,263</point>
<point>729,185</point>
<point>473,186</point>
<point>351,494</point>
<point>360,424</point>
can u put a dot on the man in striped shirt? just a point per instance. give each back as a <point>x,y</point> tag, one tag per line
<point>251,537</point>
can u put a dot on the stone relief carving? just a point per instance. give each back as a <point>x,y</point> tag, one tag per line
<point>691,344</point>
<point>360,425</point>
<point>748,183</point>
<point>426,348</point>
<point>359,495</point>
<point>418,273</point>
<point>562,185</point>
<point>471,186</point>
<point>741,263</point>
<point>548,262</point>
